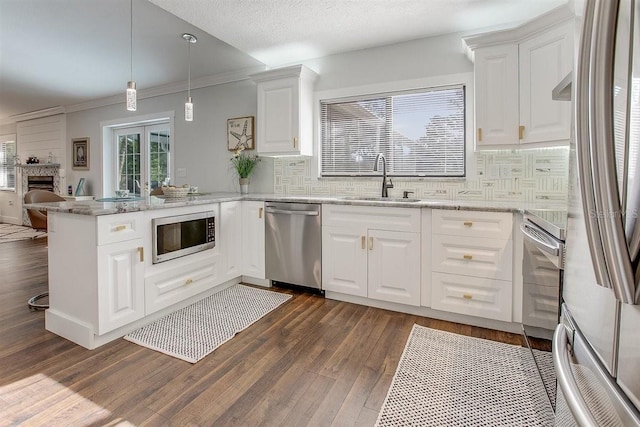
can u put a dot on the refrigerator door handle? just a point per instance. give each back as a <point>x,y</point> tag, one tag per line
<point>583,144</point>
<point>567,383</point>
<point>607,197</point>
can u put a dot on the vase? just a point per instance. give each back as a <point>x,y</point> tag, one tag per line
<point>244,185</point>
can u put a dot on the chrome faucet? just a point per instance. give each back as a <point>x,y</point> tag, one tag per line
<point>385,185</point>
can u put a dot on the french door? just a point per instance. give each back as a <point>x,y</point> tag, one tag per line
<point>143,158</point>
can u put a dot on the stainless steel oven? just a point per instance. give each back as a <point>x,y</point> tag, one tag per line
<point>181,235</point>
<point>542,270</point>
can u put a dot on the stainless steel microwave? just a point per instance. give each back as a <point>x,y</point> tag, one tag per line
<point>181,235</point>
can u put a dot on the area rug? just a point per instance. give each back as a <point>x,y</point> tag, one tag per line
<point>195,331</point>
<point>449,379</point>
<point>13,232</point>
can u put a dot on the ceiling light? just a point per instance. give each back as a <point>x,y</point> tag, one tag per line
<point>188,106</point>
<point>132,102</point>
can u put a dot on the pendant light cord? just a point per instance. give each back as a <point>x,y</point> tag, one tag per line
<point>131,36</point>
<point>189,69</point>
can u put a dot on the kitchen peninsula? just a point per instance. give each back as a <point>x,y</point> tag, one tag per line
<point>103,282</point>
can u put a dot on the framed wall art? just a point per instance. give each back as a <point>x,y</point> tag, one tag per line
<point>80,153</point>
<point>240,133</point>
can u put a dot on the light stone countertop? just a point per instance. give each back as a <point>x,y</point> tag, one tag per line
<point>95,208</point>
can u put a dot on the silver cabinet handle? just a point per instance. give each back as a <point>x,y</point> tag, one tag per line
<point>529,232</point>
<point>608,208</point>
<point>566,382</point>
<point>286,212</point>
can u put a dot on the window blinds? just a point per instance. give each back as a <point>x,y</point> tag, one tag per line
<point>421,133</point>
<point>7,168</point>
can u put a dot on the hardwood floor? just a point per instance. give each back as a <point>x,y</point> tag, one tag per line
<point>312,361</point>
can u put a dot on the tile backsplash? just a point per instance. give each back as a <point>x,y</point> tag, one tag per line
<point>528,175</point>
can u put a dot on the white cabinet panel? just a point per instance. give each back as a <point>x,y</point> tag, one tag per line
<point>344,260</point>
<point>380,218</point>
<point>120,284</point>
<point>178,283</point>
<point>473,296</point>
<point>496,94</point>
<point>394,266</point>
<point>120,227</point>
<point>473,256</point>
<point>544,61</point>
<point>229,238</point>
<point>493,225</point>
<point>253,248</point>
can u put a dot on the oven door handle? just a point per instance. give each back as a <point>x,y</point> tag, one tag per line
<point>541,244</point>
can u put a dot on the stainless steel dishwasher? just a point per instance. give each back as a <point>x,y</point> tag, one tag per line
<point>293,237</point>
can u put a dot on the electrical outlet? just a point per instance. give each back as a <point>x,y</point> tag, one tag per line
<point>10,202</point>
<point>181,172</point>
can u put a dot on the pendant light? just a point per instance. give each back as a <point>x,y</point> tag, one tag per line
<point>188,106</point>
<point>132,102</point>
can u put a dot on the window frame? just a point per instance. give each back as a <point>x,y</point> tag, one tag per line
<point>355,92</point>
<point>10,139</point>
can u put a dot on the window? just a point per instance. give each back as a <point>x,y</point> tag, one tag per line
<point>421,133</point>
<point>143,157</point>
<point>7,159</point>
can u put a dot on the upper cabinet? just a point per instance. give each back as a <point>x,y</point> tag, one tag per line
<point>285,109</point>
<point>515,73</point>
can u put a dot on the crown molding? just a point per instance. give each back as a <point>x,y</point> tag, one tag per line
<point>32,115</point>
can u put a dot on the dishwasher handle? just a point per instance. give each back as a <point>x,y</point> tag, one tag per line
<point>291,212</point>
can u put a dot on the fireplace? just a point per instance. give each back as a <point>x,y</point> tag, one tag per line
<point>39,177</point>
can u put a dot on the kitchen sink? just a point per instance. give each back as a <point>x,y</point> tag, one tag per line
<point>381,199</point>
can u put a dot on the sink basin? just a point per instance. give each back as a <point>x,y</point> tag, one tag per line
<point>381,199</point>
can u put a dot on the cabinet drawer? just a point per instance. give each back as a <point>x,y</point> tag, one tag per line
<point>473,296</point>
<point>119,227</point>
<point>472,256</point>
<point>174,285</point>
<point>374,217</point>
<point>494,225</point>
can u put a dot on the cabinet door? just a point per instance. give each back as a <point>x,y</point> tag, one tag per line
<point>253,239</point>
<point>278,116</point>
<point>544,61</point>
<point>230,238</point>
<point>120,284</point>
<point>394,266</point>
<point>344,260</point>
<point>496,95</point>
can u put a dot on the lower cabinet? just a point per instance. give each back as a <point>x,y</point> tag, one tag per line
<point>120,284</point>
<point>229,238</point>
<point>253,239</point>
<point>361,258</point>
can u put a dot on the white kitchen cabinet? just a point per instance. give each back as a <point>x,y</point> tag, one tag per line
<point>120,272</point>
<point>496,94</point>
<point>253,245</point>
<point>515,72</point>
<point>344,260</point>
<point>372,252</point>
<point>285,111</point>
<point>472,263</point>
<point>229,238</point>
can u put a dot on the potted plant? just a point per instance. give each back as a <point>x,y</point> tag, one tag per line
<point>244,164</point>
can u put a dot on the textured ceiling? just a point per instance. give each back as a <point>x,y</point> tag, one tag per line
<point>63,52</point>
<point>278,32</point>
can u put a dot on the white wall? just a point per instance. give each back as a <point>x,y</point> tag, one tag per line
<point>200,146</point>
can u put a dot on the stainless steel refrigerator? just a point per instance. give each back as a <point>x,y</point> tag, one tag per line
<point>596,346</point>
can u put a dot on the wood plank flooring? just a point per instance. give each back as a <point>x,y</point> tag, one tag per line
<point>312,361</point>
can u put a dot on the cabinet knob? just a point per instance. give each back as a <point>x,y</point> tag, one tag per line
<point>188,281</point>
<point>370,243</point>
<point>260,212</point>
<point>467,296</point>
<point>119,227</point>
<point>141,253</point>
<point>363,242</point>
<point>295,142</point>
<point>468,223</point>
<point>467,257</point>
<point>521,132</point>
<point>479,134</point>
